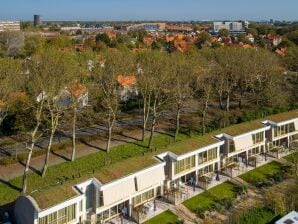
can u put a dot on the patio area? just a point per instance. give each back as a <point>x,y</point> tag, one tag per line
<point>186,191</point>
<point>235,169</point>
<point>143,212</point>
<point>150,209</point>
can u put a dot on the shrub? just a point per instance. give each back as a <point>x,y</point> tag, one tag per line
<point>277,177</point>
<point>227,202</point>
<point>217,206</point>
<point>200,212</point>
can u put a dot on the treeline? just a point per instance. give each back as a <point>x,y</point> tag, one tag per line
<point>41,91</point>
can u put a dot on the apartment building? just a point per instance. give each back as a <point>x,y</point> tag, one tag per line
<point>126,188</point>
<point>234,27</point>
<point>10,26</point>
<point>282,131</point>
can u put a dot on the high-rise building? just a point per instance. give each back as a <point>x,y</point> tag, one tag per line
<point>9,26</point>
<point>37,20</point>
<point>234,27</point>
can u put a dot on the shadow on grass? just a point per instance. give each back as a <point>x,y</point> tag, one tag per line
<point>33,169</point>
<point>60,155</point>
<point>83,141</point>
<point>10,185</point>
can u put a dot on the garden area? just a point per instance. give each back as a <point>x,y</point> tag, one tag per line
<point>257,215</point>
<point>266,175</point>
<point>217,198</point>
<point>166,217</point>
<point>292,157</point>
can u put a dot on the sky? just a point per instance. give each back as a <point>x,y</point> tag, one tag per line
<point>107,10</point>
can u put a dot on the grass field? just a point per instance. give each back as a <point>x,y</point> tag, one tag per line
<point>207,199</point>
<point>262,173</point>
<point>166,217</point>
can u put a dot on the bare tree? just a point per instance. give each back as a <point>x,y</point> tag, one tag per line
<point>181,79</point>
<point>204,90</point>
<point>153,82</point>
<point>107,89</point>
<point>56,65</point>
<point>79,99</point>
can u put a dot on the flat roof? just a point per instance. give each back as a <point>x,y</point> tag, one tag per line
<point>191,144</point>
<point>55,194</point>
<point>243,128</point>
<point>283,116</point>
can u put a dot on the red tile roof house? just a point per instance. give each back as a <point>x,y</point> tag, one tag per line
<point>127,87</point>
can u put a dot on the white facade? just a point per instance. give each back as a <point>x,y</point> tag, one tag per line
<point>232,26</point>
<point>10,26</point>
<point>99,202</point>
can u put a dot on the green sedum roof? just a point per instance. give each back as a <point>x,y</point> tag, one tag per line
<point>283,116</point>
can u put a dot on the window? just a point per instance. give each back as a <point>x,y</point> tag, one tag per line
<point>258,137</point>
<point>202,157</point>
<point>89,196</point>
<point>61,216</point>
<point>208,155</point>
<point>284,129</point>
<point>146,196</point>
<point>212,154</point>
<point>231,146</point>
<point>137,199</point>
<point>100,202</point>
<point>206,169</point>
<point>81,205</point>
<point>184,164</point>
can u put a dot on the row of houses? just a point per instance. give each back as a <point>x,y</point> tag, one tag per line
<point>131,189</point>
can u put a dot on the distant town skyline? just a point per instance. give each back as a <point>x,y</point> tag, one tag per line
<point>108,10</point>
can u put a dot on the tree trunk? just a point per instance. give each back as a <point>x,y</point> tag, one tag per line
<point>228,103</point>
<point>54,120</point>
<point>203,123</point>
<point>240,103</point>
<point>221,104</point>
<point>74,121</point>
<point>110,129</point>
<point>33,140</point>
<point>24,188</point>
<point>152,126</point>
<point>46,162</point>
<point>177,123</point>
<point>109,139</point>
<point>146,110</point>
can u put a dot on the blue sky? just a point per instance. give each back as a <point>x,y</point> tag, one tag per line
<point>149,9</point>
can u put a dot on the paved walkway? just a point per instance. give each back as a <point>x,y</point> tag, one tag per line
<point>15,170</point>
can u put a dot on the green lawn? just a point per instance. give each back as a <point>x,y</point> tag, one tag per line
<point>206,200</point>
<point>292,157</point>
<point>166,217</point>
<point>259,215</point>
<point>262,173</point>
<point>81,167</point>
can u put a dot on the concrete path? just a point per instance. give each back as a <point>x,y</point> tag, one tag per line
<point>15,170</point>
